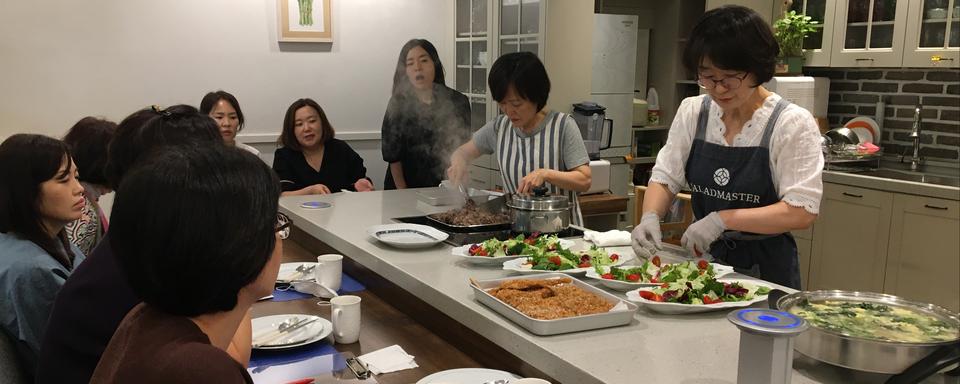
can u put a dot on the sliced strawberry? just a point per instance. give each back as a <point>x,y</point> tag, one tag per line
<point>633,277</point>
<point>614,257</point>
<point>656,261</point>
<point>651,296</point>
<point>556,260</point>
<point>608,276</point>
<point>585,264</point>
<point>702,264</point>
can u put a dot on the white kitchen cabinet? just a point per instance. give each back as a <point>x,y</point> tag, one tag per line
<point>818,46</point>
<point>923,260</point>
<point>850,239</point>
<point>869,33</point>
<point>804,239</point>
<point>932,34</point>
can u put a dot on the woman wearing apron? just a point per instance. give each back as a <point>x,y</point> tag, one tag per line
<point>533,145</point>
<point>750,159</point>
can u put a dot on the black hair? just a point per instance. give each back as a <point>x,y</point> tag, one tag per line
<point>401,85</point>
<point>152,128</point>
<point>288,137</point>
<point>525,72</point>
<point>734,38</point>
<point>192,225</point>
<point>211,99</point>
<point>26,162</point>
<point>89,139</point>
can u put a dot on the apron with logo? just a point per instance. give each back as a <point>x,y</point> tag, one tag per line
<point>740,177</point>
<point>519,155</point>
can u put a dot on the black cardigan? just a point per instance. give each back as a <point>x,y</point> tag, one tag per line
<point>340,168</point>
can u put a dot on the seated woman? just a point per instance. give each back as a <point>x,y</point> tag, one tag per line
<point>225,109</point>
<point>39,195</point>
<point>311,161</point>
<point>196,289</point>
<point>534,145</point>
<point>425,120</point>
<point>88,140</point>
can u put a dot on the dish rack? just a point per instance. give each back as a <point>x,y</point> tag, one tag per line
<point>847,157</point>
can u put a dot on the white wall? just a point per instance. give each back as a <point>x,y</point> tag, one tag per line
<point>61,60</point>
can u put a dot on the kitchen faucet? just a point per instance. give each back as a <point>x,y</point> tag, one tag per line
<point>916,160</point>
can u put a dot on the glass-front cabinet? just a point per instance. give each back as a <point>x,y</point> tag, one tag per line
<point>818,45</point>
<point>486,29</point>
<point>933,34</point>
<point>869,33</point>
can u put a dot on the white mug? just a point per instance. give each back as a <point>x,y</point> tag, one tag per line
<point>329,271</point>
<point>345,316</point>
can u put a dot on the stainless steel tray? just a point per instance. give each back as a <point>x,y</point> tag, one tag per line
<point>557,326</point>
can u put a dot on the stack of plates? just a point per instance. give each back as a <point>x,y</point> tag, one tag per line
<point>866,129</point>
<point>266,327</point>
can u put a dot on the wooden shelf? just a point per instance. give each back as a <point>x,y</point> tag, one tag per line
<point>639,160</point>
<point>467,66</point>
<point>865,23</point>
<point>650,127</point>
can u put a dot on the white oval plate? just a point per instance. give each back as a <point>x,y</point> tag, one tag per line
<point>518,265</point>
<point>288,272</point>
<point>679,309</point>
<point>467,376</point>
<point>307,334</point>
<point>403,235</point>
<point>463,252</point>
<point>624,286</point>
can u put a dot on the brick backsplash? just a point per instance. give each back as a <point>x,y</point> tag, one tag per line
<point>855,92</point>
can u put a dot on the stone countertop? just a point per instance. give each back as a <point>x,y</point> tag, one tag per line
<point>700,348</point>
<point>891,185</point>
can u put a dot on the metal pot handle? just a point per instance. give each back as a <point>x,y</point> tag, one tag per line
<point>609,133</point>
<point>940,358</point>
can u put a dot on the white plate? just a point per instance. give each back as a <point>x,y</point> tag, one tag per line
<point>864,134</point>
<point>288,272</point>
<point>467,376</point>
<point>518,265</point>
<point>677,308</point>
<point>404,235</point>
<point>624,286</point>
<point>463,251</point>
<point>316,331</point>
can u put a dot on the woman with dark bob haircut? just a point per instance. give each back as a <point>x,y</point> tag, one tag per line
<point>201,277</point>
<point>534,146</point>
<point>224,108</point>
<point>82,321</point>
<point>424,122</point>
<point>88,140</point>
<point>311,161</point>
<point>751,159</point>
<point>39,195</point>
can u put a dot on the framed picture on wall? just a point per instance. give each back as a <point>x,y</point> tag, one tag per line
<point>306,21</point>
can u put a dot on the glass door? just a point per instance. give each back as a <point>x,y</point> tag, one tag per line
<point>472,57</point>
<point>817,45</point>
<point>870,33</point>
<point>520,26</point>
<point>933,34</point>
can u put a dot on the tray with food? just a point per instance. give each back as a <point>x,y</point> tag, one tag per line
<point>473,217</point>
<point>566,261</point>
<point>494,251</point>
<point>694,292</point>
<point>553,303</point>
<point>652,273</point>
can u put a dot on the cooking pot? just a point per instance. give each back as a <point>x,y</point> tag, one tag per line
<point>539,212</point>
<point>873,355</point>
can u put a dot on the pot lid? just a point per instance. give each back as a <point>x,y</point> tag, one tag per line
<point>539,201</point>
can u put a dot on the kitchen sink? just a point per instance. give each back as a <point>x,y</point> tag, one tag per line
<point>918,177</point>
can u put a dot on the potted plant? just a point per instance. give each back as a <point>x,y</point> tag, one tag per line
<point>790,30</point>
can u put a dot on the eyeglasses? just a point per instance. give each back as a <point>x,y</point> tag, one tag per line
<point>283,226</point>
<point>731,82</point>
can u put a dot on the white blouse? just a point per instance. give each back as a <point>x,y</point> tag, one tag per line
<point>796,160</point>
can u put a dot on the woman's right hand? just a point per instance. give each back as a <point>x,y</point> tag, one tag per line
<point>457,172</point>
<point>647,236</point>
<point>318,189</point>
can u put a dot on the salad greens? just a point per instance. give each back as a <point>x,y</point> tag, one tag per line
<point>696,283</point>
<point>653,272</point>
<point>562,259</point>
<point>520,245</point>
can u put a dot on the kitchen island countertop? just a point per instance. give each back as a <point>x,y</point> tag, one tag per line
<point>655,348</point>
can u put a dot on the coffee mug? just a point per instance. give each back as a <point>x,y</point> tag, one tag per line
<point>329,271</point>
<point>345,316</point>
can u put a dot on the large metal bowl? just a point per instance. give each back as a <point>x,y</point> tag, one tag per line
<point>861,353</point>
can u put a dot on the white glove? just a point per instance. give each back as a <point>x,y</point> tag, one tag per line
<point>699,235</point>
<point>646,236</point>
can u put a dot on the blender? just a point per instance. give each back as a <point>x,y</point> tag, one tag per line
<point>592,121</point>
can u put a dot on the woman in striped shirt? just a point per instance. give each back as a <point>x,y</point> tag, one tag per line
<point>534,146</point>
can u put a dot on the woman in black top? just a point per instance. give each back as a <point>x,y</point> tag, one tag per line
<point>425,120</point>
<point>311,161</point>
